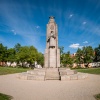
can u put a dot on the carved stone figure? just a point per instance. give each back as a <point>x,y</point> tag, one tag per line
<point>51,40</point>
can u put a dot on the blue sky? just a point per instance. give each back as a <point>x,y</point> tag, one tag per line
<point>24,22</point>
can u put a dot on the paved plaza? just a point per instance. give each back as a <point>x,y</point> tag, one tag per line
<point>50,89</point>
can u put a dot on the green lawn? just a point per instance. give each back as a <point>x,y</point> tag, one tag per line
<point>97,97</point>
<point>5,97</point>
<point>8,70</point>
<point>90,70</point>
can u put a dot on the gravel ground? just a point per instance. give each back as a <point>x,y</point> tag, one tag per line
<point>50,89</point>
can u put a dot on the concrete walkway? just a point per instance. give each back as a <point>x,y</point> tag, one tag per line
<point>50,89</point>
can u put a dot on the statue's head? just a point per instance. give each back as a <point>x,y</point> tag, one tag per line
<point>51,19</point>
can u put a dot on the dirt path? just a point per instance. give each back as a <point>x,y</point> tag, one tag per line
<point>50,90</point>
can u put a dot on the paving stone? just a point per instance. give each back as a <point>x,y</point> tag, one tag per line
<point>65,78</point>
<point>82,76</point>
<point>71,72</point>
<point>36,72</point>
<point>23,77</point>
<point>74,77</point>
<point>31,77</point>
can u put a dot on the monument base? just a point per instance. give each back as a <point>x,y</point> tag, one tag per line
<point>63,74</point>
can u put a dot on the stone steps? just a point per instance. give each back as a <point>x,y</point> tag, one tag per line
<point>26,76</point>
<point>63,74</point>
<point>36,74</point>
<point>52,74</point>
<point>74,77</point>
<point>67,72</point>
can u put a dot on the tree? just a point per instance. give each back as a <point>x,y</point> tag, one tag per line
<point>33,54</point>
<point>61,54</point>
<point>79,56</point>
<point>61,50</point>
<point>3,53</point>
<point>23,54</point>
<point>88,54</point>
<point>17,47</point>
<point>11,55</point>
<point>27,54</point>
<point>84,55</point>
<point>40,59</point>
<point>97,54</point>
<point>66,59</point>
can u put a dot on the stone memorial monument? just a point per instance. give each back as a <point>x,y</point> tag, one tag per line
<point>52,52</point>
<point>52,61</point>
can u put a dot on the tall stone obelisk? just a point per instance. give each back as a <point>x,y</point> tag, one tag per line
<point>52,52</point>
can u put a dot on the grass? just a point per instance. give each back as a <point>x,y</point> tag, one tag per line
<point>97,96</point>
<point>5,97</point>
<point>8,70</point>
<point>90,70</point>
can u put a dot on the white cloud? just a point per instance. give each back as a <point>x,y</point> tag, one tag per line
<point>71,15</point>
<point>84,23</point>
<point>85,42</point>
<point>14,32</point>
<point>75,46</point>
<point>37,27</point>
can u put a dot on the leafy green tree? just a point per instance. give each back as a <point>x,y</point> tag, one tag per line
<point>84,55</point>
<point>88,54</point>
<point>27,54</point>
<point>79,56</point>
<point>11,55</point>
<point>66,59</point>
<point>33,54</point>
<point>3,52</point>
<point>61,54</point>
<point>97,54</point>
<point>23,54</point>
<point>40,59</point>
<point>17,47</point>
<point>61,50</point>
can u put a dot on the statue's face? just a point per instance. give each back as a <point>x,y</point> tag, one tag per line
<point>51,27</point>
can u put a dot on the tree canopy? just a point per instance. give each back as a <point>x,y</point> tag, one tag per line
<point>97,53</point>
<point>3,52</point>
<point>21,54</point>
<point>30,54</point>
<point>85,55</point>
